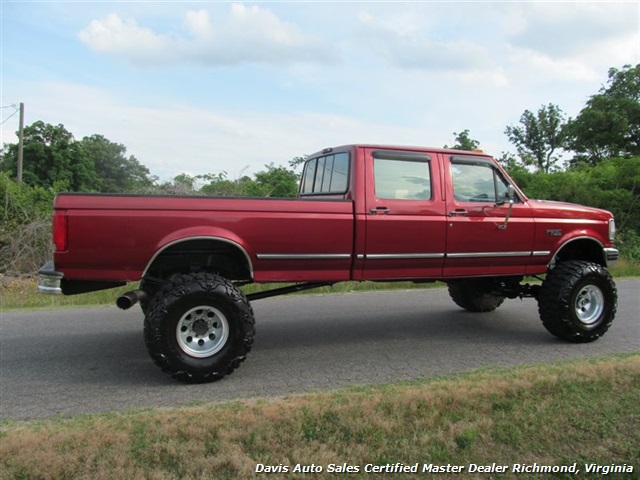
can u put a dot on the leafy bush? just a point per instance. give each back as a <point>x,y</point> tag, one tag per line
<point>628,242</point>
<point>613,185</point>
<point>25,226</point>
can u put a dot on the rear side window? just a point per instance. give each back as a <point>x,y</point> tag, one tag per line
<point>404,177</point>
<point>326,175</point>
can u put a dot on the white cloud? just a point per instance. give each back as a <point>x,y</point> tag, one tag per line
<point>425,54</point>
<point>198,23</point>
<point>563,30</point>
<point>407,44</point>
<point>412,73</point>
<point>114,35</point>
<point>487,78</point>
<point>170,139</point>
<point>540,68</point>
<point>571,42</point>
<point>248,35</point>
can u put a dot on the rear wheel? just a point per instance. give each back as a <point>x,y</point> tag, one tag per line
<point>474,296</point>
<point>151,291</point>
<point>199,327</point>
<point>577,301</point>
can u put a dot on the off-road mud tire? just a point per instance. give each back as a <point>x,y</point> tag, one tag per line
<point>577,301</point>
<point>144,302</point>
<point>470,295</point>
<point>199,327</point>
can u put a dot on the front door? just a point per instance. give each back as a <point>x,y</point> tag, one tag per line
<point>481,240</point>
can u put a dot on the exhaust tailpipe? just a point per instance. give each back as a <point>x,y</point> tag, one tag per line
<point>129,299</point>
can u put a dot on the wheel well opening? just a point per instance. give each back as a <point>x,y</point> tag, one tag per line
<point>582,249</point>
<point>201,255</point>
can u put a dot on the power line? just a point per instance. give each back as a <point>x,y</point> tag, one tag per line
<point>20,135</point>
<point>15,111</point>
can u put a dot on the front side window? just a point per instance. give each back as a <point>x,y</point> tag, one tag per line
<point>477,182</point>
<point>402,179</point>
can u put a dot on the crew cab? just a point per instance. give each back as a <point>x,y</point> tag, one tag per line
<point>363,213</point>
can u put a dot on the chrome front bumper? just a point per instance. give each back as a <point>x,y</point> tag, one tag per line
<point>49,280</point>
<point>611,256</point>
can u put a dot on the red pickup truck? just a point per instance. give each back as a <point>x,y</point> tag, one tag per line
<point>364,212</point>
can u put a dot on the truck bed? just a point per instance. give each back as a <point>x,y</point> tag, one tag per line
<point>133,229</point>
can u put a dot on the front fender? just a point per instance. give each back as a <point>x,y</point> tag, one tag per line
<point>582,247</point>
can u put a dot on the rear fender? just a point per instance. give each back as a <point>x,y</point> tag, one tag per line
<point>195,233</point>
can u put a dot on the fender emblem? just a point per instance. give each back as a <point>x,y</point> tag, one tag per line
<point>554,232</point>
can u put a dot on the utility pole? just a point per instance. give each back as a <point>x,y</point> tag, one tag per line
<point>20,143</point>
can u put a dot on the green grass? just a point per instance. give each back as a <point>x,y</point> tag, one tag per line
<point>22,293</point>
<point>625,268</point>
<point>560,414</point>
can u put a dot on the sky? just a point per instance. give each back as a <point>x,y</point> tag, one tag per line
<point>209,86</point>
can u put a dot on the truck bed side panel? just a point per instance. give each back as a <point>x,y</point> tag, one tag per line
<point>115,237</point>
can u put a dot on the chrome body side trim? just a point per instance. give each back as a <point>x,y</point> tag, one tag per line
<point>303,256</point>
<point>401,256</point>
<point>488,254</point>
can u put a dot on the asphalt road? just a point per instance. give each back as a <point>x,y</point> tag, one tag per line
<point>65,362</point>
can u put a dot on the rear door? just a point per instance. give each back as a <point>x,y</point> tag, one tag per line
<point>405,218</point>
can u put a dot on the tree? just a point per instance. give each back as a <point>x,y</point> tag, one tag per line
<point>51,155</point>
<point>275,182</point>
<point>609,125</point>
<point>220,185</point>
<point>116,172</point>
<point>297,161</point>
<point>182,184</point>
<point>539,136</point>
<point>613,184</point>
<point>464,141</point>
<point>94,164</point>
<point>515,168</point>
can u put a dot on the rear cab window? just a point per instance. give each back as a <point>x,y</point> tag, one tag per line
<point>326,175</point>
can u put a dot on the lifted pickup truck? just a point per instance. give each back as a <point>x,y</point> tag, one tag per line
<point>364,212</point>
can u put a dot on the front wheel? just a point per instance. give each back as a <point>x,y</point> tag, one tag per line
<point>199,327</point>
<point>577,301</point>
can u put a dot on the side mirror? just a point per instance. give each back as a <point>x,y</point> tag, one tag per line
<point>511,195</point>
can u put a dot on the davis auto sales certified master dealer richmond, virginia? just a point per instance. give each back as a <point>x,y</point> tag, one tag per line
<point>448,468</point>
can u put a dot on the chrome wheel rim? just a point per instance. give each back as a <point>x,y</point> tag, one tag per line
<point>202,331</point>
<point>589,304</point>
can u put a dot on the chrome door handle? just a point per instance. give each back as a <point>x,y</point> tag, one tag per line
<point>458,212</point>
<point>379,210</point>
